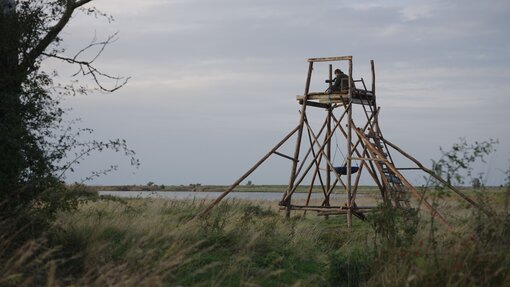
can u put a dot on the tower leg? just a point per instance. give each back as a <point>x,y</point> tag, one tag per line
<point>328,155</point>
<point>292,178</point>
<point>328,146</point>
<point>349,150</point>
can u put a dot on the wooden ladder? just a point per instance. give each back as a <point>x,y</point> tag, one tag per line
<point>392,183</point>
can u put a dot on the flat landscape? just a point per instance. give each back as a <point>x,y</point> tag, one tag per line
<point>155,242</point>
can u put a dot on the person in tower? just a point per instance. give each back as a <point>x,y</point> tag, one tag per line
<point>340,82</point>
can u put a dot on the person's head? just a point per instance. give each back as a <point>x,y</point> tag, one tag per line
<point>338,72</point>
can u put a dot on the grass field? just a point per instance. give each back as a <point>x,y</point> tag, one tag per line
<point>156,243</point>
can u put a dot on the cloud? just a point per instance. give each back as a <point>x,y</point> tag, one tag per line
<point>413,12</point>
<point>215,81</point>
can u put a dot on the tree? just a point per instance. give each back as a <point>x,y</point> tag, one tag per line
<point>36,146</point>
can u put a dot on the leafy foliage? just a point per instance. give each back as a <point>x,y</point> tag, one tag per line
<point>457,163</point>
<point>38,147</point>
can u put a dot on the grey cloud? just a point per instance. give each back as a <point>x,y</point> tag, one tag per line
<point>216,80</point>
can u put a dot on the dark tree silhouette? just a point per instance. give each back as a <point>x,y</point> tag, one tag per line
<point>36,145</point>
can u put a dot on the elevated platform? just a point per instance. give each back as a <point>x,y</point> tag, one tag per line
<point>358,97</point>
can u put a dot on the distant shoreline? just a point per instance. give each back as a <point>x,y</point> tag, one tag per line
<point>219,188</point>
<point>242,188</point>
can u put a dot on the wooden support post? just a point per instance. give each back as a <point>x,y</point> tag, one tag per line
<point>328,147</point>
<point>376,119</point>
<point>349,150</point>
<point>373,76</point>
<point>330,78</point>
<point>237,182</point>
<point>298,140</point>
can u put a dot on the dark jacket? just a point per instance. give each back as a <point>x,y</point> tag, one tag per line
<point>341,82</point>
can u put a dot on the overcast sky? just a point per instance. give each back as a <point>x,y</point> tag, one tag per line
<point>214,82</point>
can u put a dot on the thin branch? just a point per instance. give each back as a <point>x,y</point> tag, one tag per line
<point>28,61</point>
<point>111,39</point>
<point>86,68</point>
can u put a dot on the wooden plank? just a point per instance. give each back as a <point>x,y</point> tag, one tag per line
<point>330,59</point>
<point>342,207</point>
<point>357,214</point>
<point>316,209</point>
<point>315,104</point>
<point>322,96</point>
<point>333,98</point>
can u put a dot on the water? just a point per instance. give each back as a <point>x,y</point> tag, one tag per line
<point>182,195</point>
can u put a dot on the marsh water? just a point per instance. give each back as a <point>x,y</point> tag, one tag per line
<point>182,195</point>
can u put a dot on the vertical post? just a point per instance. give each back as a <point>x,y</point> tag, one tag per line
<point>328,133</point>
<point>349,150</point>
<point>287,203</point>
<point>376,118</point>
<point>373,76</point>
<point>330,78</point>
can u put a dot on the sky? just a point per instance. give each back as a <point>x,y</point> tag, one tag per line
<point>213,83</point>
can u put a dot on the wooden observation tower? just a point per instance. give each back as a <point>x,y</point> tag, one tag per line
<point>351,113</point>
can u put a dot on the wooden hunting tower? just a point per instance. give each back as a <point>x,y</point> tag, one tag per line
<point>365,146</point>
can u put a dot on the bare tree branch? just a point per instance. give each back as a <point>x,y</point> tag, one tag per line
<point>87,69</point>
<point>28,61</point>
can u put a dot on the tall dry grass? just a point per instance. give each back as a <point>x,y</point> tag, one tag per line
<point>154,243</point>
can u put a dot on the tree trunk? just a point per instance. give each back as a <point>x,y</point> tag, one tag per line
<point>12,130</point>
